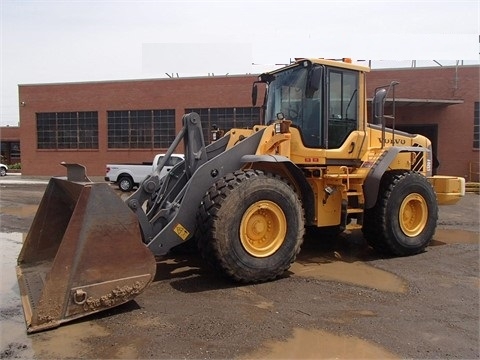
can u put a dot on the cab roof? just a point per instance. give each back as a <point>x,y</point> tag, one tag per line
<point>341,63</point>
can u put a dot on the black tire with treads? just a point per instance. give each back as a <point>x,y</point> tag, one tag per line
<point>238,213</point>
<point>404,219</point>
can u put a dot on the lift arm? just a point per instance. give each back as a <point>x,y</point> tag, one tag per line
<point>166,207</point>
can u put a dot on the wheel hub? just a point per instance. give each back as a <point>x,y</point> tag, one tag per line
<point>413,214</point>
<point>263,228</point>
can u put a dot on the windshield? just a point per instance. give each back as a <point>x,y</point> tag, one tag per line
<point>287,95</point>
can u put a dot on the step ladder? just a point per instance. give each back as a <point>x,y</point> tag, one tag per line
<point>352,213</point>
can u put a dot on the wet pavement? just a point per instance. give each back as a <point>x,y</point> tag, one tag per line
<point>338,300</point>
<point>13,338</point>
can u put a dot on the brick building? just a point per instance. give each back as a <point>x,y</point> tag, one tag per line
<point>95,123</point>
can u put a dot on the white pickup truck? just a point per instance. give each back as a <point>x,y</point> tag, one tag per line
<point>127,176</point>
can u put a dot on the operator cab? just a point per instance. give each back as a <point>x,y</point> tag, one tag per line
<point>320,100</point>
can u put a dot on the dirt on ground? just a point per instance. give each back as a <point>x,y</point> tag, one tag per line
<point>340,299</point>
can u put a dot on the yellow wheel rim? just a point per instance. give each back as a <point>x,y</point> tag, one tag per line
<point>413,215</point>
<point>263,228</point>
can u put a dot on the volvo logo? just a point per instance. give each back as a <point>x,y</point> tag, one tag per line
<point>393,141</point>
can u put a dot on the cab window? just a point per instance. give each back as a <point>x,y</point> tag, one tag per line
<point>342,99</point>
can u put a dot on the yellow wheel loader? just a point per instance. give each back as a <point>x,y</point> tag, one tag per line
<point>315,163</point>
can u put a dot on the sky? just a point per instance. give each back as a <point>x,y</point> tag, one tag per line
<point>94,40</point>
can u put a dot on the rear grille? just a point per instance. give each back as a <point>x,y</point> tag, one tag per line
<point>418,160</point>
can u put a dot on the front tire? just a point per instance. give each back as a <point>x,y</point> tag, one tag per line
<point>404,219</point>
<point>251,226</point>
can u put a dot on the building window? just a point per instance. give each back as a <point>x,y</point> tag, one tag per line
<point>476,126</point>
<point>140,129</point>
<point>226,118</point>
<point>67,130</point>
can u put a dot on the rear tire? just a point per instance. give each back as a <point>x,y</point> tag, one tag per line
<point>251,226</point>
<point>125,183</point>
<point>404,219</point>
<point>3,171</point>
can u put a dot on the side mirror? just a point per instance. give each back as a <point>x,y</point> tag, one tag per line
<point>378,104</point>
<point>254,94</point>
<point>313,83</point>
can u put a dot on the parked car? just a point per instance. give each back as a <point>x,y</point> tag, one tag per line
<point>3,169</point>
<point>128,176</point>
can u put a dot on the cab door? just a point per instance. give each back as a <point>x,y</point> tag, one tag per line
<point>342,114</point>
<point>342,109</point>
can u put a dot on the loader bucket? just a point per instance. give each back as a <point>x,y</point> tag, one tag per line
<point>83,254</point>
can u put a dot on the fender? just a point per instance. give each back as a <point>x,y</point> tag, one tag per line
<point>298,176</point>
<point>371,185</point>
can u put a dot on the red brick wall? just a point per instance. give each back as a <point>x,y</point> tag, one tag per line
<point>10,133</point>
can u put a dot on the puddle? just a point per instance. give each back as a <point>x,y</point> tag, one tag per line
<point>22,211</point>
<point>318,344</point>
<point>14,342</point>
<point>355,273</point>
<point>443,237</point>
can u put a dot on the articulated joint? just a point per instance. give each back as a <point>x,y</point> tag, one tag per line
<point>149,185</point>
<point>133,204</point>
